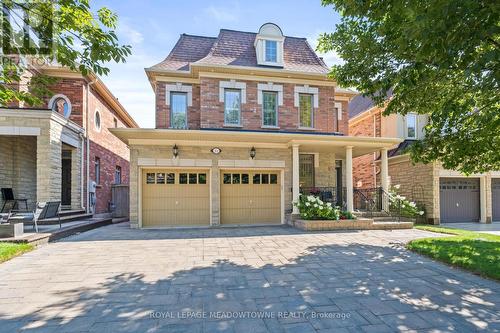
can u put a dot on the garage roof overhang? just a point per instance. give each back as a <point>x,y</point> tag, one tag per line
<point>310,142</point>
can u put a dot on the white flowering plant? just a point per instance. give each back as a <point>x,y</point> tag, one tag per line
<point>406,207</point>
<point>313,208</point>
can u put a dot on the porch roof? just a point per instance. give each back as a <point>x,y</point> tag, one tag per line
<point>310,142</point>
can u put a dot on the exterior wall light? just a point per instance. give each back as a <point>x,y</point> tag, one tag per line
<point>175,151</point>
<point>252,153</point>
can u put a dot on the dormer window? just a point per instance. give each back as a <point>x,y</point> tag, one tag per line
<point>269,45</point>
<point>271,51</point>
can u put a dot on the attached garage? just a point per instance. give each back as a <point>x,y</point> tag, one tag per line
<point>495,198</point>
<point>175,198</point>
<point>250,197</point>
<point>459,199</point>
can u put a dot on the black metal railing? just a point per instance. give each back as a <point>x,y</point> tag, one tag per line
<point>327,194</point>
<point>368,199</point>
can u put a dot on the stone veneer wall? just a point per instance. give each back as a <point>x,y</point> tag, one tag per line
<point>417,183</point>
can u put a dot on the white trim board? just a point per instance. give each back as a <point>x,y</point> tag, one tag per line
<point>251,164</point>
<point>14,130</point>
<point>173,162</point>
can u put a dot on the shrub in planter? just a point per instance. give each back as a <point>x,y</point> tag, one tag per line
<point>313,208</point>
<point>404,206</point>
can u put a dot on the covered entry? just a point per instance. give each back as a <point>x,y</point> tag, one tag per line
<point>459,199</point>
<point>495,198</point>
<point>250,197</point>
<point>175,198</point>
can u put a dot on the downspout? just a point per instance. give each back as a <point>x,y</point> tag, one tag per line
<point>88,142</point>
<point>82,158</point>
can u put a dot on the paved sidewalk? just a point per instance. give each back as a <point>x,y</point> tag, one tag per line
<point>114,279</point>
<point>490,228</point>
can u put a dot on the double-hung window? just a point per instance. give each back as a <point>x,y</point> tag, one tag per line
<point>411,126</point>
<point>97,170</point>
<point>269,108</point>
<point>306,110</point>
<point>118,174</point>
<point>178,110</point>
<point>232,107</point>
<point>271,51</point>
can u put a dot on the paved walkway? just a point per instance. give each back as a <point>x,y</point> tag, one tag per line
<point>490,228</point>
<point>114,279</point>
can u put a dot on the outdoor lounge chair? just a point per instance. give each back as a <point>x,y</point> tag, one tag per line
<point>8,196</point>
<point>43,210</point>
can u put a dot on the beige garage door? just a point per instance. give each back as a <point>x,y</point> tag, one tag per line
<point>250,197</point>
<point>175,198</point>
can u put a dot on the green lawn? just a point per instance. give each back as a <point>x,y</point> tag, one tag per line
<point>476,252</point>
<point>11,250</point>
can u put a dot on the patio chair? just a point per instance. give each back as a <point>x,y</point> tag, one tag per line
<point>43,210</point>
<point>8,195</point>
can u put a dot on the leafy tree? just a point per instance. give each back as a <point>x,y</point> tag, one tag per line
<point>440,57</point>
<point>66,32</point>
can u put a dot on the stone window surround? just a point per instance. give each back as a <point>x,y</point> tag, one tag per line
<point>233,84</point>
<point>179,87</point>
<point>338,106</point>
<point>54,98</point>
<point>305,89</point>
<point>270,86</point>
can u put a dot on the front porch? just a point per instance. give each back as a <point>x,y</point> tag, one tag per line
<point>40,159</point>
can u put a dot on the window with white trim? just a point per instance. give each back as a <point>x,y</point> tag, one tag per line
<point>232,107</point>
<point>270,108</point>
<point>271,51</point>
<point>411,126</point>
<point>178,110</point>
<point>306,110</point>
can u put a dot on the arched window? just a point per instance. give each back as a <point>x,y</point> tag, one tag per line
<point>60,104</point>
<point>97,120</point>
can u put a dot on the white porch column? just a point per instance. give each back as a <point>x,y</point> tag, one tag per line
<point>348,176</point>
<point>295,176</point>
<point>384,175</point>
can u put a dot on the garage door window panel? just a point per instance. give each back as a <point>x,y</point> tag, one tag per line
<point>202,178</point>
<point>183,178</point>
<point>150,178</point>
<point>227,178</point>
<point>160,178</point>
<point>244,178</point>
<point>193,178</point>
<point>236,178</point>
<point>256,178</point>
<point>170,178</point>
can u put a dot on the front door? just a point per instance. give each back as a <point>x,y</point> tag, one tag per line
<point>66,178</point>
<point>306,170</point>
<point>338,172</point>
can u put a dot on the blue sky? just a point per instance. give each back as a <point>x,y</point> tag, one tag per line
<point>153,27</point>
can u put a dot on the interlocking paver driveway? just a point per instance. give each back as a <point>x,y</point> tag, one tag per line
<point>115,279</point>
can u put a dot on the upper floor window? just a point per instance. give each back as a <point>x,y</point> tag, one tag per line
<point>269,108</point>
<point>271,51</point>
<point>115,122</point>
<point>411,126</point>
<point>118,174</point>
<point>306,110</point>
<point>232,106</point>
<point>178,110</point>
<point>97,120</point>
<point>60,104</point>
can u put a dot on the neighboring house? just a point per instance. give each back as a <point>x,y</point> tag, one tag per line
<point>55,152</point>
<point>448,196</point>
<point>244,122</point>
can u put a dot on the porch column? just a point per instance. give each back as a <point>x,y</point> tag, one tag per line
<point>348,176</point>
<point>295,176</point>
<point>384,175</point>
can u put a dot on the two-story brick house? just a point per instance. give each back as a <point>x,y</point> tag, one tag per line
<point>55,152</point>
<point>244,122</point>
<point>447,195</point>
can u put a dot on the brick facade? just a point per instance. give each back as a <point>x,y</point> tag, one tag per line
<point>208,112</point>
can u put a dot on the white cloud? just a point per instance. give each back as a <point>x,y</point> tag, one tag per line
<point>130,34</point>
<point>222,14</point>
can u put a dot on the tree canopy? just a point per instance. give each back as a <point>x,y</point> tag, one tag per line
<point>66,32</point>
<point>441,58</point>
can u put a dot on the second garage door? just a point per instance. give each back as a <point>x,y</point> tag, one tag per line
<point>250,197</point>
<point>175,198</point>
<point>495,198</point>
<point>459,199</point>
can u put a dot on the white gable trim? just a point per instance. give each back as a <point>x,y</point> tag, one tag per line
<point>179,87</point>
<point>306,90</point>
<point>233,85</point>
<point>338,106</point>
<point>269,87</point>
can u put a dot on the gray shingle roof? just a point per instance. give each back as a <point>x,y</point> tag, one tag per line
<point>236,48</point>
<point>360,104</point>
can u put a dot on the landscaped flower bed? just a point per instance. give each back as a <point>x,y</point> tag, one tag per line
<point>313,208</point>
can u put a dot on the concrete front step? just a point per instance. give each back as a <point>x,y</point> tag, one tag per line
<point>370,214</point>
<point>66,212</point>
<point>64,219</point>
<point>392,219</point>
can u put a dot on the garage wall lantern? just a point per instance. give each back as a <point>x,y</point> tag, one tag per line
<point>252,153</point>
<point>175,151</point>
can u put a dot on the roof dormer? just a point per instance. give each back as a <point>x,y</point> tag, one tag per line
<point>269,45</point>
